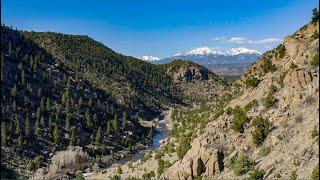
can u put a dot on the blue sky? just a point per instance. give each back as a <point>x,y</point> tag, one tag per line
<point>165,27</point>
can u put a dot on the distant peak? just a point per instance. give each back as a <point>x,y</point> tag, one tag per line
<point>203,51</point>
<point>150,58</point>
<point>241,50</point>
<point>212,51</point>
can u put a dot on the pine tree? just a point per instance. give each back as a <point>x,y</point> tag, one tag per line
<point>88,117</point>
<point>109,127</point>
<point>124,120</point>
<point>80,102</point>
<point>14,91</point>
<point>23,79</point>
<point>68,122</point>
<point>4,134</point>
<point>17,122</point>
<point>73,139</point>
<point>99,135</point>
<point>48,106</point>
<point>2,68</point>
<point>38,113</point>
<point>56,134</point>
<point>42,121</point>
<point>27,127</point>
<point>37,127</point>
<point>20,141</point>
<point>115,123</point>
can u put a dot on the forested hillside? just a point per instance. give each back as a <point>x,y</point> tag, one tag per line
<point>59,90</point>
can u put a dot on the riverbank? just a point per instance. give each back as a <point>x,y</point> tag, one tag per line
<point>145,161</point>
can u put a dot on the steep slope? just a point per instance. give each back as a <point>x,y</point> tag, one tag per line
<point>270,127</point>
<point>193,80</point>
<point>59,90</point>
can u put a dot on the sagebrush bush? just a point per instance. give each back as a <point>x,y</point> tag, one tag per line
<point>264,151</point>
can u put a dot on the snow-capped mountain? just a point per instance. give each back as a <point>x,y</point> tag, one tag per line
<point>213,58</point>
<point>150,58</point>
<point>213,51</point>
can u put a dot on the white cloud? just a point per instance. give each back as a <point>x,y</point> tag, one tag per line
<point>244,40</point>
<point>221,38</point>
<point>264,41</point>
<point>238,40</point>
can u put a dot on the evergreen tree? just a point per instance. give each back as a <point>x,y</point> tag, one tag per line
<point>124,120</point>
<point>88,117</point>
<point>27,127</point>
<point>17,122</point>
<point>80,103</point>
<point>14,91</point>
<point>99,135</point>
<point>2,68</point>
<point>4,134</point>
<point>48,104</point>
<point>115,123</point>
<point>39,92</point>
<point>23,79</point>
<point>20,141</point>
<point>37,127</point>
<point>68,122</point>
<point>73,139</point>
<point>109,127</point>
<point>56,134</point>
<point>42,121</point>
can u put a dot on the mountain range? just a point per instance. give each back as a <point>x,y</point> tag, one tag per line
<point>232,61</point>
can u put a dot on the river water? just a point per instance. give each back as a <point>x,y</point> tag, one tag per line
<point>159,137</point>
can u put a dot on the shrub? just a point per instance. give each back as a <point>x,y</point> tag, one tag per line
<point>293,65</point>
<point>293,175</point>
<point>251,82</point>
<point>281,49</point>
<point>264,151</point>
<point>262,128</point>
<point>270,100</point>
<point>315,35</point>
<point>79,176</point>
<point>162,165</point>
<point>268,66</point>
<point>256,174</point>
<point>315,173</point>
<point>31,166</point>
<point>315,61</point>
<point>281,78</point>
<point>239,119</point>
<point>242,164</point>
<point>250,105</point>
<point>149,175</point>
<point>184,145</point>
<point>314,132</point>
<point>119,170</point>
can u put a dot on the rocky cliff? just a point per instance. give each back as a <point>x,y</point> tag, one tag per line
<point>269,130</point>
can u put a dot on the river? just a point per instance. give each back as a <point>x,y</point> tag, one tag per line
<point>160,136</point>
